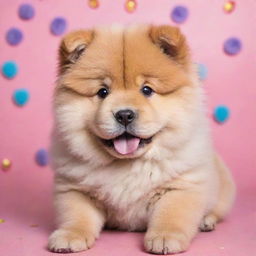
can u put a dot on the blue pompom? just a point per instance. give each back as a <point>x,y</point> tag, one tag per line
<point>26,11</point>
<point>9,69</point>
<point>221,113</point>
<point>179,14</point>
<point>21,97</point>
<point>202,71</point>
<point>58,26</point>
<point>232,46</point>
<point>14,36</point>
<point>42,157</point>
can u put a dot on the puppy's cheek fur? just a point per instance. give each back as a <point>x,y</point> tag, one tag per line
<point>104,124</point>
<point>149,121</point>
<point>73,120</point>
<point>184,110</point>
<point>72,117</point>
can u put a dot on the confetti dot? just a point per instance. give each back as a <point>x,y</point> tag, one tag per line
<point>14,36</point>
<point>42,157</point>
<point>232,46</point>
<point>202,71</point>
<point>130,5</point>
<point>26,11</point>
<point>9,69</point>
<point>221,113</point>
<point>179,14</point>
<point>229,6</point>
<point>21,97</point>
<point>93,4</point>
<point>58,26</point>
<point>6,164</point>
<point>2,220</point>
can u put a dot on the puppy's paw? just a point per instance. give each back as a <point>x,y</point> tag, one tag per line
<point>67,241</point>
<point>165,242</point>
<point>208,223</point>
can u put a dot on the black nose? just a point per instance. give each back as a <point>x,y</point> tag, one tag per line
<point>125,116</point>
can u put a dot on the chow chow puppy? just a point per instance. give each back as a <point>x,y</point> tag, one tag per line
<point>131,145</point>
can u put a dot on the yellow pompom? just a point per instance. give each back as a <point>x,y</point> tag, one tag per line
<point>6,163</point>
<point>93,4</point>
<point>229,6</point>
<point>130,5</point>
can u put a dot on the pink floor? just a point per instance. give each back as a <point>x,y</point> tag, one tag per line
<point>27,210</point>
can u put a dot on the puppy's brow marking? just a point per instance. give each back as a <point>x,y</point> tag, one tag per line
<point>91,78</point>
<point>149,76</point>
<point>71,90</point>
<point>96,73</point>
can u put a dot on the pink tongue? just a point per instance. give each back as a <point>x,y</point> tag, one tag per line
<point>126,146</point>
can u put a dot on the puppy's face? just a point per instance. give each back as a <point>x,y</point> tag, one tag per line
<point>121,91</point>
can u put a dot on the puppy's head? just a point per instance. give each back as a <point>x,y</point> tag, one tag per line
<point>121,91</point>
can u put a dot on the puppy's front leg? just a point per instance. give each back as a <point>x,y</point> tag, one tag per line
<point>174,222</point>
<point>79,223</point>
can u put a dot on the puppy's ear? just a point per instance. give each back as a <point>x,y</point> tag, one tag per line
<point>72,47</point>
<point>172,43</point>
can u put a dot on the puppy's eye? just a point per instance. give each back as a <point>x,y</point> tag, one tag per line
<point>147,91</point>
<point>103,93</point>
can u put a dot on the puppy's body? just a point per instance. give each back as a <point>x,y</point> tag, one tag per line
<point>128,188</point>
<point>172,182</point>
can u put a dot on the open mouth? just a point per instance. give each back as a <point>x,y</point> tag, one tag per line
<point>126,143</point>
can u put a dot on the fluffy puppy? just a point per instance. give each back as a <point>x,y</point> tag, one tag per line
<point>131,145</point>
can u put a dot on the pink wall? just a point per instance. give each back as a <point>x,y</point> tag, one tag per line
<point>231,81</point>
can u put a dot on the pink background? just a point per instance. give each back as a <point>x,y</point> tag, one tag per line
<point>25,189</point>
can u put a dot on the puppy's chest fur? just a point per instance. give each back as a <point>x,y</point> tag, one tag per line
<point>127,194</point>
<point>128,190</point>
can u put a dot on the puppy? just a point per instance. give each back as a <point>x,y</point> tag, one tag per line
<point>131,145</point>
